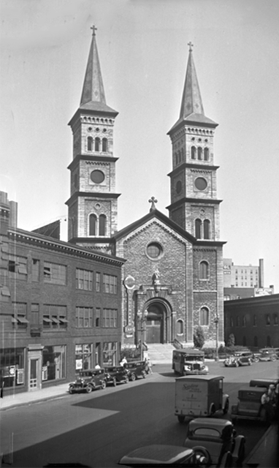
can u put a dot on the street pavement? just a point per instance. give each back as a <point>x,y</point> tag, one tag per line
<point>264,454</point>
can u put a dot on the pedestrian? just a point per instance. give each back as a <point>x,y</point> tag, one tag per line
<point>268,400</point>
<point>97,366</point>
<point>123,361</point>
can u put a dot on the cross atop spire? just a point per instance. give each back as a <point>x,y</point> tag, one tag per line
<point>191,45</point>
<point>94,29</point>
<point>152,201</point>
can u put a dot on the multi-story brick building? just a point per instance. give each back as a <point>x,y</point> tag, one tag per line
<point>173,274</point>
<point>60,307</point>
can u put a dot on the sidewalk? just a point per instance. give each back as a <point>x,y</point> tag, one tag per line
<point>27,398</point>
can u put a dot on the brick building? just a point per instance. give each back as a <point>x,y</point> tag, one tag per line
<point>60,307</point>
<point>173,274</point>
<point>253,321</point>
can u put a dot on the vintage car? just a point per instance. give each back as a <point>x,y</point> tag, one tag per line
<point>135,369</point>
<point>159,455</point>
<point>231,361</point>
<point>263,382</point>
<point>116,375</point>
<point>244,358</point>
<point>249,404</point>
<point>215,439</point>
<point>88,380</point>
<point>267,354</point>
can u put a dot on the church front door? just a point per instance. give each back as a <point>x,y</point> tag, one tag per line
<point>155,324</point>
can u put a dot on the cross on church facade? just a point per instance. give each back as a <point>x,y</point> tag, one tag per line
<point>94,29</point>
<point>152,201</point>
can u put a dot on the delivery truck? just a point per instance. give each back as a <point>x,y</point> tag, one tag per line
<point>199,396</point>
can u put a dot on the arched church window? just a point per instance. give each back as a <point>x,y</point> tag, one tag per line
<point>179,327</point>
<point>97,144</point>
<point>204,268</point>
<point>198,228</point>
<point>206,154</point>
<point>199,153</point>
<point>193,152</point>
<point>92,225</point>
<point>89,143</point>
<point>104,144</point>
<point>102,225</point>
<point>204,316</point>
<point>206,229</point>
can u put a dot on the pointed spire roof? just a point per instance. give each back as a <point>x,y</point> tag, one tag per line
<point>191,109</point>
<point>93,93</point>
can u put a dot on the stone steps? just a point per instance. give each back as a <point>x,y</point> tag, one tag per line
<point>158,352</point>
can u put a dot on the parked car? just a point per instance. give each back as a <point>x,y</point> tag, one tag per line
<point>88,380</point>
<point>116,374</point>
<point>263,382</point>
<point>215,439</point>
<point>159,455</point>
<point>135,369</point>
<point>244,358</point>
<point>267,354</point>
<point>249,404</point>
<point>231,361</point>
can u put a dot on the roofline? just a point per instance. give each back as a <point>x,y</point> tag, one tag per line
<point>183,122</point>
<point>109,113</point>
<point>50,243</point>
<point>91,195</point>
<point>245,300</point>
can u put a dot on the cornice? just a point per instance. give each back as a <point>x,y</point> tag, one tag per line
<point>76,195</point>
<point>83,157</point>
<point>203,167</point>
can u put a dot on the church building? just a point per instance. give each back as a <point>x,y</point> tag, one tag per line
<point>173,271</point>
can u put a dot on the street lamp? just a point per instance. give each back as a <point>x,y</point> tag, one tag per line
<point>216,321</point>
<point>141,329</point>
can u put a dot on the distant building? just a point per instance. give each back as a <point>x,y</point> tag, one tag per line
<point>242,281</point>
<point>253,321</point>
<point>60,307</point>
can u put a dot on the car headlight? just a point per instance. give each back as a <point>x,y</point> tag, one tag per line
<point>187,368</point>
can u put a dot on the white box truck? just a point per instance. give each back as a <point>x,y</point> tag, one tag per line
<point>199,396</point>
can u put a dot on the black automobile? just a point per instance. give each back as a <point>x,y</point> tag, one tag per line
<point>88,380</point>
<point>116,375</point>
<point>244,358</point>
<point>135,369</point>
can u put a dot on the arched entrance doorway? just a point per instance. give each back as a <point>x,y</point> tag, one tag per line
<point>156,323</point>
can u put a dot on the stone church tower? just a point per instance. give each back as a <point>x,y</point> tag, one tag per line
<point>92,206</point>
<point>173,272</point>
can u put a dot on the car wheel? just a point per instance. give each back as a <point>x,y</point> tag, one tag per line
<point>241,455</point>
<point>103,385</point>
<point>181,419</point>
<point>199,450</point>
<point>114,382</point>
<point>133,377</point>
<point>226,407</point>
<point>71,391</point>
<point>89,389</point>
<point>226,461</point>
<point>212,409</point>
<point>126,380</point>
<point>143,374</point>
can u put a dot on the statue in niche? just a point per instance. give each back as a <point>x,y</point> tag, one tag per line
<point>156,277</point>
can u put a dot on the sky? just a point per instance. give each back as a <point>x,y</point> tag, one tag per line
<point>142,45</point>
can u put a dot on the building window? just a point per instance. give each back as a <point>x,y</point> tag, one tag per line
<point>198,228</point>
<point>19,318</point>
<point>204,316</point>
<point>54,317</point>
<point>17,267</point>
<point>154,250</point>
<point>237,321</point>
<point>89,144</point>
<point>54,273</point>
<point>84,356</point>
<point>104,145</point>
<point>231,321</point>
<point>206,229</point>
<point>109,353</point>
<point>84,279</point>
<point>92,225</point>
<point>206,154</point>
<point>193,152</point>
<point>275,319</point>
<point>54,363</point>
<point>110,284</point>
<point>109,318</point>
<point>244,321</point>
<point>199,153</point>
<point>97,144</point>
<point>34,315</point>
<point>204,270</point>
<point>179,327</point>
<point>12,367</point>
<point>255,321</point>
<point>35,269</point>
<point>102,225</point>
<point>84,317</point>
<point>97,317</point>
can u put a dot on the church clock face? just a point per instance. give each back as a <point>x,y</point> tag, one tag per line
<point>200,183</point>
